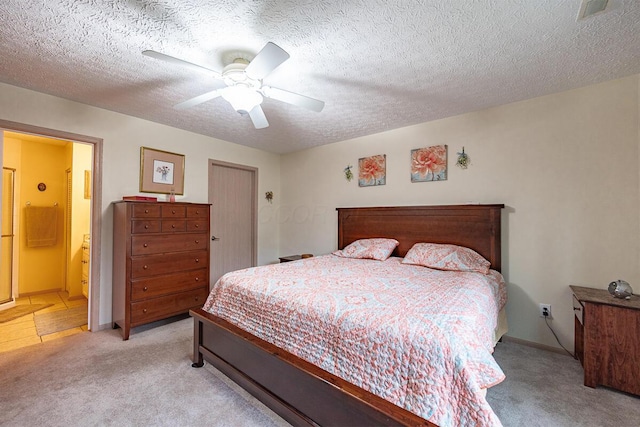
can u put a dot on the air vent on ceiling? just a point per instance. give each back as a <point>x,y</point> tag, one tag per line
<point>591,7</point>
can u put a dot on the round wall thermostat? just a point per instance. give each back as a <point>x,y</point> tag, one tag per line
<point>42,186</point>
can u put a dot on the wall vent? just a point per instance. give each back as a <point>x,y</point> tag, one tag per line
<point>591,7</point>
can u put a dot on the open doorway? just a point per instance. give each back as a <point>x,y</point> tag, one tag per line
<point>53,267</point>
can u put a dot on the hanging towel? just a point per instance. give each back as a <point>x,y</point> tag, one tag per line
<point>42,224</point>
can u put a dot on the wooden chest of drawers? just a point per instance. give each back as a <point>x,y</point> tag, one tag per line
<point>160,261</point>
<point>606,336</point>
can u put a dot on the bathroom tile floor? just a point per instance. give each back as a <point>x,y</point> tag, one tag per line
<point>21,332</point>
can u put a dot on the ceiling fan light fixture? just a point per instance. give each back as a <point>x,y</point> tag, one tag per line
<point>243,78</point>
<point>242,98</point>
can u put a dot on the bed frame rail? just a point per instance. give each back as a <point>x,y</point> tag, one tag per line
<point>298,391</point>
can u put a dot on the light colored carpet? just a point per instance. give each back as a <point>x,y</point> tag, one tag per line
<point>96,379</point>
<point>56,321</point>
<point>545,389</point>
<point>20,310</point>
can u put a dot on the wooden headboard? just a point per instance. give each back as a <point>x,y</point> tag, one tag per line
<point>475,226</point>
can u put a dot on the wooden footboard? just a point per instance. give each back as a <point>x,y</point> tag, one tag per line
<point>298,391</point>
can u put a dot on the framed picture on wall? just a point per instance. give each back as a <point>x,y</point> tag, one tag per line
<point>161,171</point>
<point>429,164</point>
<point>372,170</point>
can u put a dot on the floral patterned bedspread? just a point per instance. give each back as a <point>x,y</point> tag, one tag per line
<point>420,338</point>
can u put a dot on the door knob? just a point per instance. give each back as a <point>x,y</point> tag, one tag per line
<point>214,238</point>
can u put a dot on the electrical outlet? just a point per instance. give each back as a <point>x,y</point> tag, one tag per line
<point>545,308</point>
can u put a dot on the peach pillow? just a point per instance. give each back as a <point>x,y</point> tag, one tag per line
<point>446,257</point>
<point>378,248</point>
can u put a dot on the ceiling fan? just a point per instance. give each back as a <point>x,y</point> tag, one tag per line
<point>243,84</point>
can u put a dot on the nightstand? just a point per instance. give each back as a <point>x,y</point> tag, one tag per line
<point>295,257</point>
<point>607,343</point>
<point>290,258</point>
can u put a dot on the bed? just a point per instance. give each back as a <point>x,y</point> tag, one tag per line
<point>306,394</point>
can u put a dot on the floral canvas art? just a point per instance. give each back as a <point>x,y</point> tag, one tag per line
<point>372,170</point>
<point>429,164</point>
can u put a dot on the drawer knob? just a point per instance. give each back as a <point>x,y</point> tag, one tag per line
<point>197,225</point>
<point>197,259</point>
<point>145,245</point>
<point>145,267</point>
<point>173,211</point>
<point>197,241</point>
<point>197,298</point>
<point>173,226</point>
<point>146,227</point>
<point>146,211</point>
<point>197,212</point>
<point>197,279</point>
<point>144,310</point>
<point>145,289</point>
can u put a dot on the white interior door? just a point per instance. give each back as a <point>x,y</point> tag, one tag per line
<point>233,198</point>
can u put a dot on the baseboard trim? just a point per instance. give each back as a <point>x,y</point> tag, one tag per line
<point>534,344</point>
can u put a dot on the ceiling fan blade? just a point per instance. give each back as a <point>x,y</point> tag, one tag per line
<point>293,98</point>
<point>258,118</point>
<point>198,99</point>
<point>172,60</point>
<point>266,61</point>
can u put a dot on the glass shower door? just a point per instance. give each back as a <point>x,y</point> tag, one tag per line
<point>6,268</point>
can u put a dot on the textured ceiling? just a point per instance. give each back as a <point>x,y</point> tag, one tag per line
<point>377,64</point>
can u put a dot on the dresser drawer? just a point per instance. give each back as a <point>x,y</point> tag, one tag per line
<point>170,226</point>
<point>197,225</point>
<point>144,226</point>
<point>152,265</point>
<point>198,212</point>
<point>159,308</point>
<point>173,211</point>
<point>158,244</point>
<point>578,309</point>
<point>172,283</point>
<point>145,211</point>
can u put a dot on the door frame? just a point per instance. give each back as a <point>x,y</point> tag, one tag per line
<point>96,204</point>
<point>13,263</point>
<point>254,202</point>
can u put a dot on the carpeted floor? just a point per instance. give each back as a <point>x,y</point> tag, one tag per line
<point>56,321</point>
<point>545,389</point>
<point>20,310</point>
<point>96,379</point>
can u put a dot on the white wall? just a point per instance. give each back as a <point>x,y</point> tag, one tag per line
<point>123,136</point>
<point>565,166</point>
